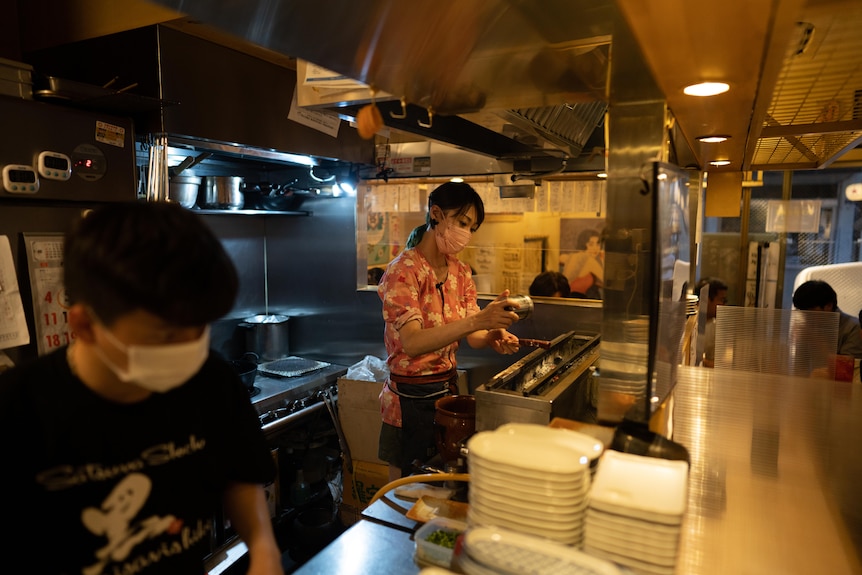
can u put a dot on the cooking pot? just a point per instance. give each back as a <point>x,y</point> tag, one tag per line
<point>222,192</point>
<point>267,336</point>
<point>183,190</point>
<point>246,368</point>
<point>454,424</point>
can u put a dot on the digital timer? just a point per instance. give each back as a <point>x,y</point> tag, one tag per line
<point>20,179</point>
<point>54,166</point>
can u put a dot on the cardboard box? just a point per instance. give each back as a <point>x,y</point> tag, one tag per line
<point>359,415</point>
<point>366,479</point>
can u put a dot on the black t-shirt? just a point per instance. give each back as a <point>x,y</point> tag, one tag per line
<point>90,486</point>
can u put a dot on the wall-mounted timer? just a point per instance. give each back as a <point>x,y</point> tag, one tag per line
<point>20,179</point>
<point>54,166</point>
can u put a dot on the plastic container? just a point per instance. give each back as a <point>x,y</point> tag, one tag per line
<point>429,553</point>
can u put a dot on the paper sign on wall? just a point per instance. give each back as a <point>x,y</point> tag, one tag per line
<point>13,324</point>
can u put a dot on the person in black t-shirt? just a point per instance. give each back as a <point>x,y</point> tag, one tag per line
<point>121,447</point>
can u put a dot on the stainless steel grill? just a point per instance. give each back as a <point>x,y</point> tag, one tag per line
<point>556,382</point>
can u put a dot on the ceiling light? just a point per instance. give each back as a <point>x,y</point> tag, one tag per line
<point>706,89</point>
<point>456,180</point>
<point>712,139</point>
<point>601,175</point>
<point>719,163</point>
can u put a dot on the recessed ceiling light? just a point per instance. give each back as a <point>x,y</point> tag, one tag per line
<point>601,175</point>
<point>706,89</point>
<point>456,180</point>
<point>712,139</point>
<point>720,162</point>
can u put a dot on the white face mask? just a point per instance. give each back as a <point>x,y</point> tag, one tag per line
<point>451,239</point>
<point>159,368</point>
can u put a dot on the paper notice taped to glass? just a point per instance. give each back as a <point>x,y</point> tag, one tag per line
<point>13,324</point>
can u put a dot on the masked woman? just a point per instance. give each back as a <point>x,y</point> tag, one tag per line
<point>429,305</point>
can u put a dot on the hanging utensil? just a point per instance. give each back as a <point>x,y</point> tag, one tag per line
<point>189,162</point>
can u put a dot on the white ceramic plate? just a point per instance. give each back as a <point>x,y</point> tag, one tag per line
<point>529,494</point>
<point>653,540</point>
<point>506,473</point>
<point>642,487</point>
<point>631,548</point>
<point>477,518</point>
<point>633,525</point>
<point>527,454</point>
<point>542,511</point>
<point>641,567</point>
<point>588,444</point>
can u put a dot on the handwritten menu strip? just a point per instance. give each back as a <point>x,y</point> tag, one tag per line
<point>13,324</point>
<point>50,304</point>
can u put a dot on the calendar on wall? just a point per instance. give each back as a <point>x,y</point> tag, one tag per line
<point>50,303</point>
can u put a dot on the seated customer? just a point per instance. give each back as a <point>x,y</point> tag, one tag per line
<point>717,296</point>
<point>817,295</point>
<point>550,284</point>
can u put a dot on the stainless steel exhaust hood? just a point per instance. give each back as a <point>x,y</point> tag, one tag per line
<point>512,79</point>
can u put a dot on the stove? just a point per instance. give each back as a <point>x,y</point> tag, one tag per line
<point>281,400</point>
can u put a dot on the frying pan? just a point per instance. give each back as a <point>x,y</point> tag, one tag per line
<point>246,369</point>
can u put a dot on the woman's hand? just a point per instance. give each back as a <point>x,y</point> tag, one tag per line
<point>502,341</point>
<point>495,315</point>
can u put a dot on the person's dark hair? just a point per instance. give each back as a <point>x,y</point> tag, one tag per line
<point>550,282</point>
<point>449,196</point>
<point>585,236</point>
<point>375,275</point>
<point>814,293</point>
<point>158,257</point>
<point>715,285</point>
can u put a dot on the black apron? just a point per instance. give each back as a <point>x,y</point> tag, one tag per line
<point>418,435</point>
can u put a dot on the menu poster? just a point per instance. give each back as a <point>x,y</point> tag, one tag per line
<point>13,323</point>
<point>50,304</point>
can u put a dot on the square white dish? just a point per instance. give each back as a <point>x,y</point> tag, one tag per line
<point>639,486</point>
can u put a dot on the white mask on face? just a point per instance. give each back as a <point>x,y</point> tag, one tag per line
<point>159,368</point>
<point>451,239</point>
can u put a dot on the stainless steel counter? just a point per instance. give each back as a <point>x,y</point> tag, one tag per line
<point>776,473</point>
<point>775,483</point>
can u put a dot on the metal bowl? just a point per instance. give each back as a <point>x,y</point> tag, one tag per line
<point>184,190</point>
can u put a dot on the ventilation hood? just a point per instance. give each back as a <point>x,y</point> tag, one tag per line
<point>476,63</point>
<point>510,79</point>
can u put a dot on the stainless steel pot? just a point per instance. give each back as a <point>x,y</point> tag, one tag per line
<point>184,190</point>
<point>267,335</point>
<point>222,193</point>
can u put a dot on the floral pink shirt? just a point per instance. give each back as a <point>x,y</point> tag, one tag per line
<point>409,293</point>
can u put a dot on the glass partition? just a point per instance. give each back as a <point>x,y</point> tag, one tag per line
<point>558,229</point>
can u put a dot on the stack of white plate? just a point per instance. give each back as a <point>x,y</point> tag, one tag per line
<point>531,479</point>
<point>636,330</point>
<point>635,512</point>
<point>623,367</point>
<point>692,302</point>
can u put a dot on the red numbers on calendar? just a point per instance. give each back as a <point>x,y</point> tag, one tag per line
<point>54,318</point>
<point>57,339</point>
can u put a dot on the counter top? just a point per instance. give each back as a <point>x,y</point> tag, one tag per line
<point>773,485</point>
<point>366,548</point>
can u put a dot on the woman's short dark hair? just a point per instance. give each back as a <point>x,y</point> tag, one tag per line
<point>457,196</point>
<point>158,257</point>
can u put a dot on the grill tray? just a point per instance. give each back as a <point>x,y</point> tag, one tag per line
<point>291,366</point>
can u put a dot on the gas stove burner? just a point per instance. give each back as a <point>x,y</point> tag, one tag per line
<point>253,391</point>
